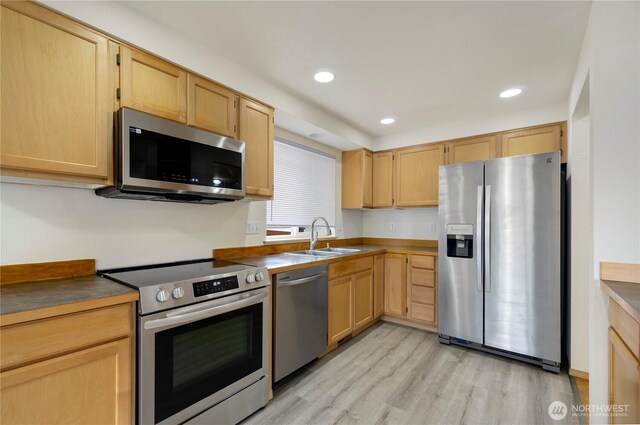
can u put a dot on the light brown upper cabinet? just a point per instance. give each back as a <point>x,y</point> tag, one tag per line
<point>383,180</point>
<point>256,130</point>
<point>416,171</point>
<point>151,85</point>
<point>56,105</point>
<point>473,149</point>
<point>548,138</point>
<point>211,106</point>
<point>357,169</point>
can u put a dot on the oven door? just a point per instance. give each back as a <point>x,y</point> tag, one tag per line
<point>191,358</point>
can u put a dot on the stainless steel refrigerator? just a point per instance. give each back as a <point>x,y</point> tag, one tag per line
<point>499,257</point>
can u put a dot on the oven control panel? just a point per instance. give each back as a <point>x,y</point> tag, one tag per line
<point>207,287</point>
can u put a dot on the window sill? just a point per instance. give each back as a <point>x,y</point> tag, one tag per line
<point>277,240</point>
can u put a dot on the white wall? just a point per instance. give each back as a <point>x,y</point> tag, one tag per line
<point>473,127</point>
<point>410,223</point>
<point>45,223</point>
<point>42,223</point>
<point>581,238</point>
<point>611,61</point>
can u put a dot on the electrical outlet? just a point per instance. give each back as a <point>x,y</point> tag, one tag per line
<point>253,227</point>
<point>432,226</point>
<point>339,227</point>
<point>392,226</point>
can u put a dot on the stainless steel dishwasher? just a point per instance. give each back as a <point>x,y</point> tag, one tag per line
<point>300,333</point>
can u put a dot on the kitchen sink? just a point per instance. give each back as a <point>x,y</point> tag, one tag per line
<point>313,253</point>
<point>324,252</point>
<point>339,250</point>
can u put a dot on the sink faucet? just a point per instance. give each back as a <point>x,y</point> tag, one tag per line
<point>314,235</point>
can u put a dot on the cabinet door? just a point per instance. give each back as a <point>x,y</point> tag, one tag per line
<point>367,179</point>
<point>56,104</point>
<point>362,299</point>
<point>340,320</point>
<point>86,387</point>
<point>417,175</point>
<point>624,380</point>
<point>476,149</point>
<point>357,169</point>
<point>256,131</point>
<point>383,180</point>
<point>395,284</point>
<point>152,85</point>
<point>378,285</point>
<point>533,140</point>
<point>211,106</point>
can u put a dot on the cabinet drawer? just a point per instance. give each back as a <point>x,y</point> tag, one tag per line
<point>423,261</point>
<point>423,312</point>
<point>625,326</point>
<point>27,342</point>
<point>423,277</point>
<point>423,294</point>
<point>350,266</point>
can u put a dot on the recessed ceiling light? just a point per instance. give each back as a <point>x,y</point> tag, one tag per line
<point>510,92</point>
<point>387,121</point>
<point>324,76</point>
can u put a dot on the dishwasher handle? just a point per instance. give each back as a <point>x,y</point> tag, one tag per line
<point>301,280</point>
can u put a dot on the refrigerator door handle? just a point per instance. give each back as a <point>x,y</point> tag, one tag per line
<point>478,241</point>
<point>487,239</point>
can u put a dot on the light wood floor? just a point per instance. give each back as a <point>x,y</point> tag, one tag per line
<point>392,374</point>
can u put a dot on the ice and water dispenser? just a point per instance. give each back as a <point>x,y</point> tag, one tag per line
<point>460,240</point>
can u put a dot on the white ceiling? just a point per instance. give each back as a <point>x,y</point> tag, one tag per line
<point>424,63</point>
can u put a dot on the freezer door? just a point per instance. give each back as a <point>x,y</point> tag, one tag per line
<point>522,271</point>
<point>459,253</point>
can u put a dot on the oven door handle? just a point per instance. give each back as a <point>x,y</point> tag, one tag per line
<point>180,319</point>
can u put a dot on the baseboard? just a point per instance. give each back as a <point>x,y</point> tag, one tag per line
<point>409,323</point>
<point>579,374</point>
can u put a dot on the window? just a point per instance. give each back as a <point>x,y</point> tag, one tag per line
<point>304,188</point>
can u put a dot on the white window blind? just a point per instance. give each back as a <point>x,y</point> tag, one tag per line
<point>304,186</point>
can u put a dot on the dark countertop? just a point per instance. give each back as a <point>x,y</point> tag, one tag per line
<point>277,263</point>
<point>20,301</point>
<point>626,294</point>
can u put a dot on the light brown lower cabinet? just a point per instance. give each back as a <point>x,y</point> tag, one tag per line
<point>395,285</point>
<point>624,381</point>
<point>340,318</point>
<point>624,366</point>
<point>378,285</point>
<point>422,289</point>
<point>350,298</point>
<point>65,369</point>
<point>362,299</point>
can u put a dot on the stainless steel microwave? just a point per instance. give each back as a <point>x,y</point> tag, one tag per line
<point>161,160</point>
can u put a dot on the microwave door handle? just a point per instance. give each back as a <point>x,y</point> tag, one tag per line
<point>201,314</point>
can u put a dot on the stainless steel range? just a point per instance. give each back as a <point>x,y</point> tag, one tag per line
<point>202,341</point>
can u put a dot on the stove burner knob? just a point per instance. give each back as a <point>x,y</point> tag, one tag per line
<point>162,296</point>
<point>259,276</point>
<point>249,278</point>
<point>177,293</point>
